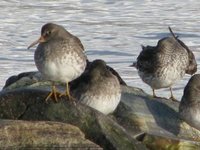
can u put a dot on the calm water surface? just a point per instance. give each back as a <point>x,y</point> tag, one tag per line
<point>109,29</point>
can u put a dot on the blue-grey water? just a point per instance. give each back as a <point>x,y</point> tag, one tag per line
<point>112,30</point>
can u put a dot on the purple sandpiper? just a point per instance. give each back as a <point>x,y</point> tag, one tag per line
<point>59,57</point>
<point>189,108</point>
<point>98,88</point>
<point>161,66</point>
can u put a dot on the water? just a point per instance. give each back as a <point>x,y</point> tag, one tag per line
<point>110,30</point>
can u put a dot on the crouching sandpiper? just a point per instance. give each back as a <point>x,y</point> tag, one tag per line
<point>98,88</point>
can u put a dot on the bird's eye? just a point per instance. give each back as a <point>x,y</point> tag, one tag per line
<point>48,33</point>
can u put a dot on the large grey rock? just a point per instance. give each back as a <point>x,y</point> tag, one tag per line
<point>29,104</point>
<point>140,113</point>
<point>140,117</point>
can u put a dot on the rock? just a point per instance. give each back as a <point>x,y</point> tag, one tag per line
<point>140,113</point>
<point>42,135</point>
<point>154,142</point>
<point>138,116</point>
<point>24,79</point>
<point>29,104</point>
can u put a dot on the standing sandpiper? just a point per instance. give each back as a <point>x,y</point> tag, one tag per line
<point>59,56</point>
<point>161,66</point>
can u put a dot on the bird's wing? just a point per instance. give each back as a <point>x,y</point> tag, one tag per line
<point>147,59</point>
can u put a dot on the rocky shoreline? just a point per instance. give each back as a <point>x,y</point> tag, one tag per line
<point>140,121</point>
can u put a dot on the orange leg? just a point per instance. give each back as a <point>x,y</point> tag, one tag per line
<point>53,93</point>
<point>67,93</point>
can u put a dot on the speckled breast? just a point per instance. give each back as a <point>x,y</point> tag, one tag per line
<point>61,65</point>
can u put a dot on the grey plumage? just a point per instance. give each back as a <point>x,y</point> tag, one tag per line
<point>62,47</point>
<point>98,88</point>
<point>189,107</point>
<point>162,65</point>
<point>59,55</point>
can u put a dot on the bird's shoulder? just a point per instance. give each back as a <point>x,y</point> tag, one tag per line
<point>74,42</point>
<point>75,39</point>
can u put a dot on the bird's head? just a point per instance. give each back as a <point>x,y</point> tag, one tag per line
<point>50,31</point>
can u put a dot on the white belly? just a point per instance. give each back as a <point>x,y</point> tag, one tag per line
<point>104,104</point>
<point>61,72</point>
<point>163,80</point>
